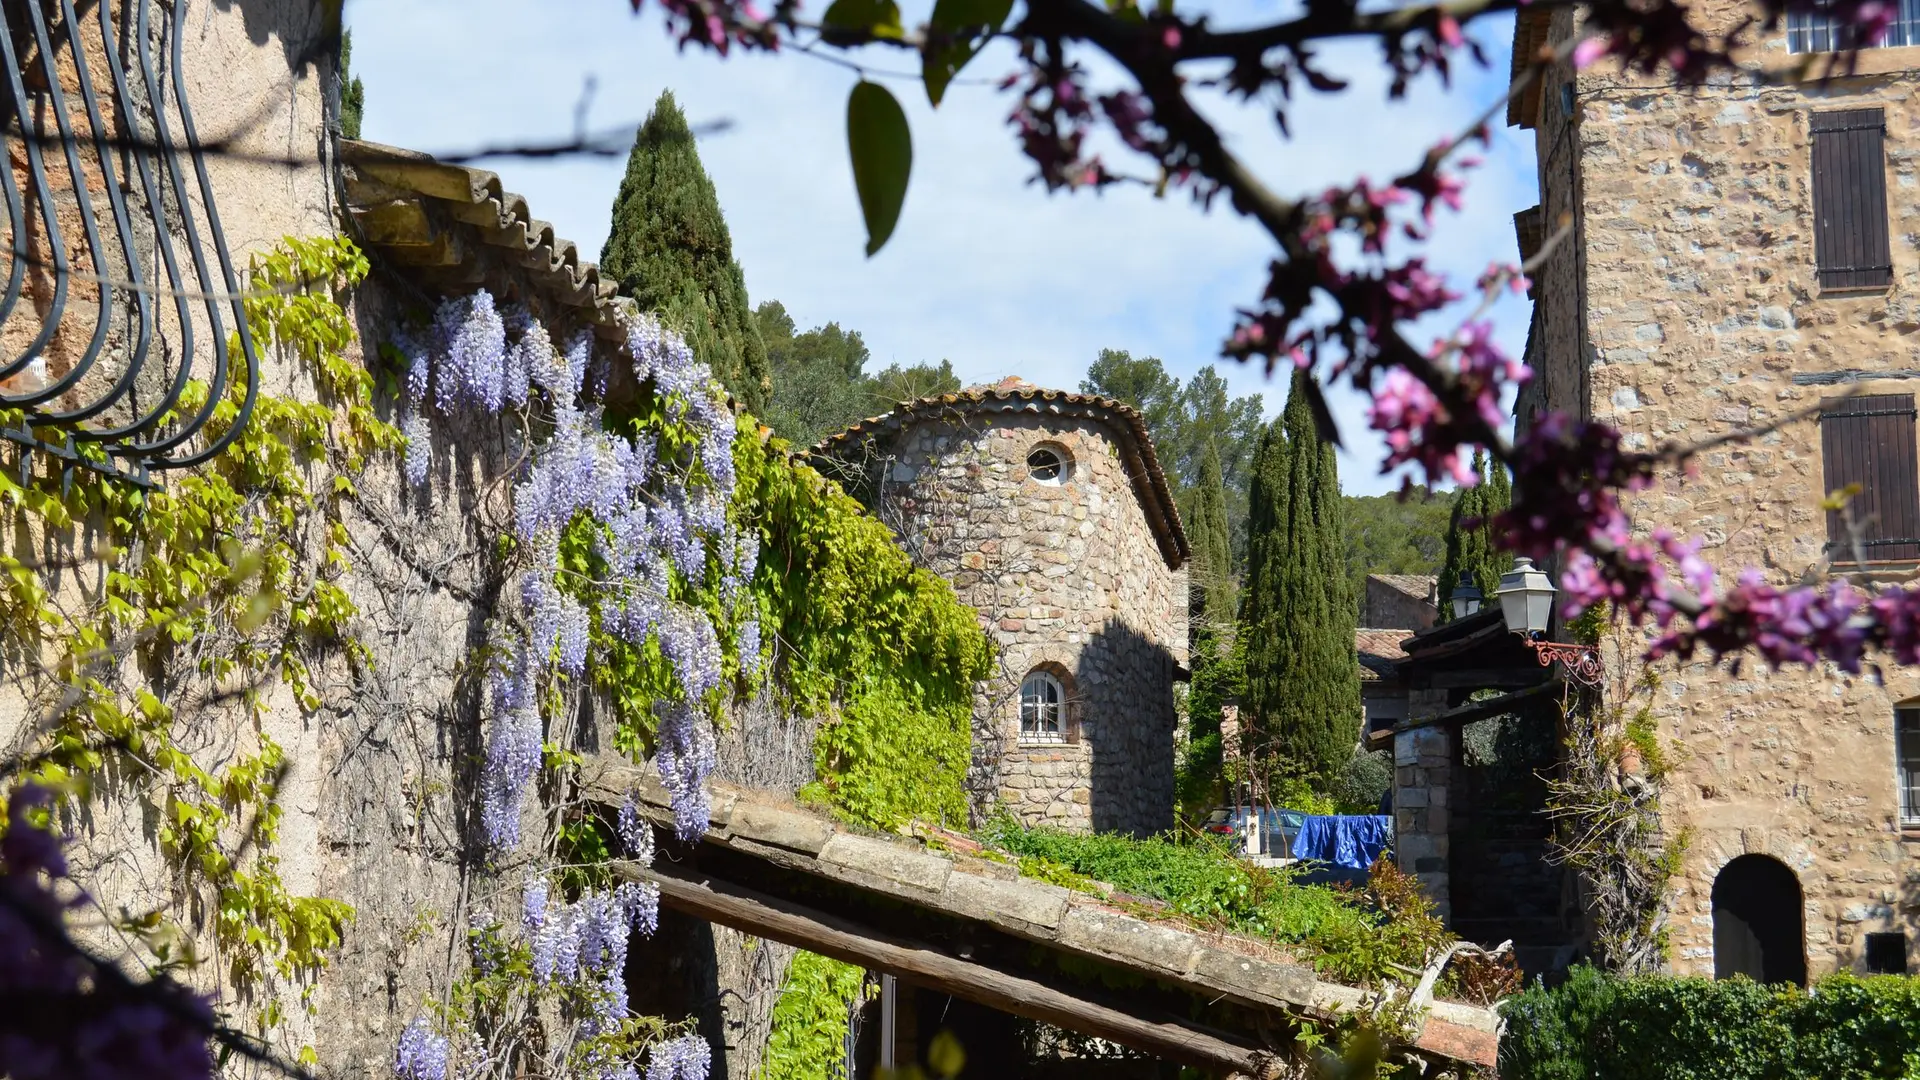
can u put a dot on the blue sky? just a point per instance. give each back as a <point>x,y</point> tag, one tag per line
<point>984,269</point>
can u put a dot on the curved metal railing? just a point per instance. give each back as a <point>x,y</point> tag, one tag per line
<point>109,250</point>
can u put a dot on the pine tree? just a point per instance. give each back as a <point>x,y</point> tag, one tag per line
<point>1210,576</point>
<point>1471,557</point>
<point>670,250</point>
<point>1302,683</point>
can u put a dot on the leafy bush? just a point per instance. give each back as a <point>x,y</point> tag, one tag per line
<point>1365,779</point>
<point>1659,1028</point>
<point>1353,936</point>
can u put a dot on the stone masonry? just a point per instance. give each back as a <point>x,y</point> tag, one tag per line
<point>1683,305</point>
<point>1082,579</point>
<point>1423,765</point>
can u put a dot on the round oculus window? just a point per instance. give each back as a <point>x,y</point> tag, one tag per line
<point>1047,464</point>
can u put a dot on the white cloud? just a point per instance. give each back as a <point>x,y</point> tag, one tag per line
<point>984,269</point>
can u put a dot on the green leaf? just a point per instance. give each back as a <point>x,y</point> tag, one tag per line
<point>954,37</point>
<point>882,152</point>
<point>849,22</point>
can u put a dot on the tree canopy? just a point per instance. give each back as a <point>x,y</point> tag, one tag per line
<point>1184,420</point>
<point>1394,534</point>
<point>670,250</point>
<point>820,381</point>
<point>1471,555</point>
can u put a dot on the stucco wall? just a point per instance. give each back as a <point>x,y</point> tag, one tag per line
<point>1066,576</point>
<point>1702,306</point>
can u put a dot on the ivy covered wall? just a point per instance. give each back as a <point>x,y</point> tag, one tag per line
<point>371,603</point>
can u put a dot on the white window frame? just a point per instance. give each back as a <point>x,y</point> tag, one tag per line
<point>1906,764</point>
<point>1811,32</point>
<point>1043,721</point>
<point>1060,455</point>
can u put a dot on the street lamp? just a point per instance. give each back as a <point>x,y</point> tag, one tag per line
<point>1526,603</point>
<point>1526,598</point>
<point>1465,600</point>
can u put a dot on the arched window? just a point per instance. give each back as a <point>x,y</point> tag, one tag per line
<point>1043,709</point>
<point>1049,463</point>
<point>1758,922</point>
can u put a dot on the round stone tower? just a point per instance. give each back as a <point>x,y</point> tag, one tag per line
<point>1049,513</point>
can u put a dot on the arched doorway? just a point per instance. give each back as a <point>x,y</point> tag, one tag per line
<point>1758,922</point>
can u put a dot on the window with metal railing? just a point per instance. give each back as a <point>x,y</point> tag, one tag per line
<point>1043,709</point>
<point>122,331</point>
<point>1819,31</point>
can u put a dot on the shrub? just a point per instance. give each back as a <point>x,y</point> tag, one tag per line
<point>1357,937</point>
<point>1366,777</point>
<point>1659,1028</point>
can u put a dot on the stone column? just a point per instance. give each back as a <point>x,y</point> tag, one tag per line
<point>1423,761</point>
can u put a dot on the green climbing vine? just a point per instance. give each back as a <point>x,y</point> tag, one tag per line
<point>215,587</point>
<point>885,653</point>
<point>811,1019</point>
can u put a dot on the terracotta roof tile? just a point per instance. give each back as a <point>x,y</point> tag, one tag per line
<point>435,219</point>
<point>1379,652</point>
<point>1418,586</point>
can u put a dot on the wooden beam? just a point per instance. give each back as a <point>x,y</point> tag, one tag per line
<point>842,939</point>
<point>1532,674</point>
<point>1480,710</point>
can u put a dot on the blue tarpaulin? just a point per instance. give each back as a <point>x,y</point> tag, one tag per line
<point>1352,840</point>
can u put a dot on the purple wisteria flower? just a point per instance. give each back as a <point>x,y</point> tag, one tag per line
<point>685,1058</point>
<point>422,1054</point>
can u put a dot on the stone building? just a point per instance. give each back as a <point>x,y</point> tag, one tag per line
<point>1727,260</point>
<point>1400,601</point>
<point>1049,513</point>
<point>1383,699</point>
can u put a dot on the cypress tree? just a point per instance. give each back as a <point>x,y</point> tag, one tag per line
<point>1302,681</point>
<point>353,94</point>
<point>1210,579</point>
<point>1209,631</point>
<point>670,250</point>
<point>1471,557</point>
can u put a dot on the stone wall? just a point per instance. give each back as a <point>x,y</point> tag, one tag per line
<point>1423,766</point>
<point>1068,577</point>
<point>1389,607</point>
<point>1705,317</point>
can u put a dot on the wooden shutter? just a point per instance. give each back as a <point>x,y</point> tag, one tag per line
<point>1870,441</point>
<point>1850,199</point>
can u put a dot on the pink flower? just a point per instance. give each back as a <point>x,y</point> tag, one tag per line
<point>1585,53</point>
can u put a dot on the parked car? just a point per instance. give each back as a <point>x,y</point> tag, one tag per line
<point>1278,826</point>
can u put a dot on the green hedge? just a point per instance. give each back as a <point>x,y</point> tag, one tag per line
<point>1653,1028</point>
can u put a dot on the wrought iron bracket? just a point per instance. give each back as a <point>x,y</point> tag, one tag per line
<point>1580,662</point>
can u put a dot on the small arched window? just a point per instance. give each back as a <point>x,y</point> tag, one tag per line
<point>1049,464</point>
<point>1043,709</point>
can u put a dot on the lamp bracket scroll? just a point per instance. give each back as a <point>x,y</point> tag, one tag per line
<point>1580,662</point>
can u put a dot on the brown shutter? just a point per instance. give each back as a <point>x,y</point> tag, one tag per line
<point>1870,441</point>
<point>1850,199</point>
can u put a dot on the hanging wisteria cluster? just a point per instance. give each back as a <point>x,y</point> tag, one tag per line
<point>657,507</point>
<point>577,954</point>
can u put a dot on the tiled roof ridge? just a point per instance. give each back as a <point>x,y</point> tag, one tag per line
<point>1150,481</point>
<point>389,189</point>
<point>1406,583</point>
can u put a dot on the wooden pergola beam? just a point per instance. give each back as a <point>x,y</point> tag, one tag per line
<point>842,939</point>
